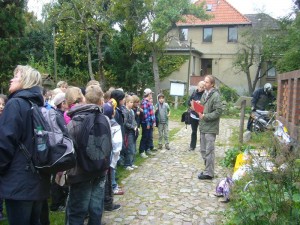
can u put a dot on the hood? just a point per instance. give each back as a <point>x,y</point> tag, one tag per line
<point>33,94</point>
<point>85,108</point>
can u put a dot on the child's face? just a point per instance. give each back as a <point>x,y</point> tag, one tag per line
<point>161,100</point>
<point>121,102</point>
<point>136,104</point>
<point>129,104</point>
<point>64,88</point>
<point>2,105</point>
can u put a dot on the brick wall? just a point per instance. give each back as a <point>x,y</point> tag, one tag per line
<point>288,102</point>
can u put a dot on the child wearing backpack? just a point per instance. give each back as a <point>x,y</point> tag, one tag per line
<point>130,133</point>
<point>162,110</point>
<point>90,131</point>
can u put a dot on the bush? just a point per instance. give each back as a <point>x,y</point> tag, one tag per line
<point>271,197</point>
<point>228,94</point>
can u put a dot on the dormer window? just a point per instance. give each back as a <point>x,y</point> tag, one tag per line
<point>209,7</point>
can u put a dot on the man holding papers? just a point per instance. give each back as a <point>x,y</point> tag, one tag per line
<point>209,126</point>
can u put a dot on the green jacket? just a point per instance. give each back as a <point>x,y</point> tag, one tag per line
<point>212,112</point>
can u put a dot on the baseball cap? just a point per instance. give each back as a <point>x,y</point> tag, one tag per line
<point>148,91</point>
<point>59,98</point>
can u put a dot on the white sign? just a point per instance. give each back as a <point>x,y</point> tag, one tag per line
<point>177,89</point>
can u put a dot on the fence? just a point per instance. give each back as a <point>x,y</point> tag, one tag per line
<point>288,102</point>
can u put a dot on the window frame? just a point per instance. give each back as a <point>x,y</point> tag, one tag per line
<point>230,40</point>
<point>211,36</point>
<point>183,34</point>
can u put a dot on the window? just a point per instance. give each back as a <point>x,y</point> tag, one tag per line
<point>194,66</point>
<point>271,70</point>
<point>206,66</point>
<point>232,34</point>
<point>183,34</point>
<point>207,34</point>
<point>209,7</point>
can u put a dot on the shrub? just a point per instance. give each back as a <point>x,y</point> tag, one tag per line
<point>228,94</point>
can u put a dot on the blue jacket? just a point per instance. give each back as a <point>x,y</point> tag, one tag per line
<point>17,182</point>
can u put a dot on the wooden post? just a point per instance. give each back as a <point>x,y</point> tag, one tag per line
<point>243,106</point>
<point>176,102</point>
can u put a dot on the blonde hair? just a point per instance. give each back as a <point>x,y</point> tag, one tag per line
<point>136,99</point>
<point>128,98</point>
<point>74,95</point>
<point>30,77</point>
<point>212,79</point>
<point>94,94</point>
<point>92,82</point>
<point>61,83</point>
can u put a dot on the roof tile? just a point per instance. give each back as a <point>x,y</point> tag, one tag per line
<point>223,14</point>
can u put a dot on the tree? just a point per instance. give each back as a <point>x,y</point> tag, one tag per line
<point>81,25</point>
<point>12,28</point>
<point>253,53</point>
<point>156,18</point>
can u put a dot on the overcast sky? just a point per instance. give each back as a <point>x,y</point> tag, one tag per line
<point>275,8</point>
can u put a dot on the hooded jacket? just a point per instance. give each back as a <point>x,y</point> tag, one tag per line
<point>17,181</point>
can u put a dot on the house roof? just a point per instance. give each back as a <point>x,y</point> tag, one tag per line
<point>223,14</point>
<point>262,20</point>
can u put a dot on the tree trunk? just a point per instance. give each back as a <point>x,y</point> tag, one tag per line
<point>89,55</point>
<point>156,73</point>
<point>100,69</point>
<point>249,81</point>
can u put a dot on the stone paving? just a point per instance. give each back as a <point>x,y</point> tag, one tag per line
<point>165,188</point>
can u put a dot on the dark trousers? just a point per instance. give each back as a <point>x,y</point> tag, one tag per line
<point>58,196</point>
<point>108,195</point>
<point>194,126</point>
<point>44,218</point>
<point>23,212</point>
<point>147,138</point>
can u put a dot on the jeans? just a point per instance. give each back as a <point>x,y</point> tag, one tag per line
<point>86,198</point>
<point>113,178</point>
<point>20,212</point>
<point>194,126</point>
<point>207,150</point>
<point>108,195</point>
<point>131,149</point>
<point>163,133</point>
<point>147,138</point>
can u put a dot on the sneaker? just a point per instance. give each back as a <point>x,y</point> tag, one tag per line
<point>149,152</point>
<point>167,146</point>
<point>134,166</point>
<point>118,191</point>
<point>115,207</point>
<point>192,149</point>
<point>129,168</point>
<point>153,149</point>
<point>143,155</point>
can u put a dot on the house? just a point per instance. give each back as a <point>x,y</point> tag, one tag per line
<point>211,46</point>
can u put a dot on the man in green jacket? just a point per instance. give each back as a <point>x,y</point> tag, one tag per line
<point>209,126</point>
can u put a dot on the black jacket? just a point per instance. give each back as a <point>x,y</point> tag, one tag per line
<point>196,96</point>
<point>17,182</point>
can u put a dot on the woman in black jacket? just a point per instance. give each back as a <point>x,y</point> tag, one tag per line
<point>22,189</point>
<point>196,96</point>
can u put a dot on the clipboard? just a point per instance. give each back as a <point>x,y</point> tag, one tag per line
<point>198,107</point>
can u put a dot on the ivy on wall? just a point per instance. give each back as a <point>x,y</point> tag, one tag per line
<point>170,63</point>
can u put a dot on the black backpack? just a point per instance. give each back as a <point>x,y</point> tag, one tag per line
<point>58,151</point>
<point>92,138</point>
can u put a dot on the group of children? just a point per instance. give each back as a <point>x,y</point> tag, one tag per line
<point>126,116</point>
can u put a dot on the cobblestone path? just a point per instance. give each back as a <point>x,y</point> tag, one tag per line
<point>165,188</point>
